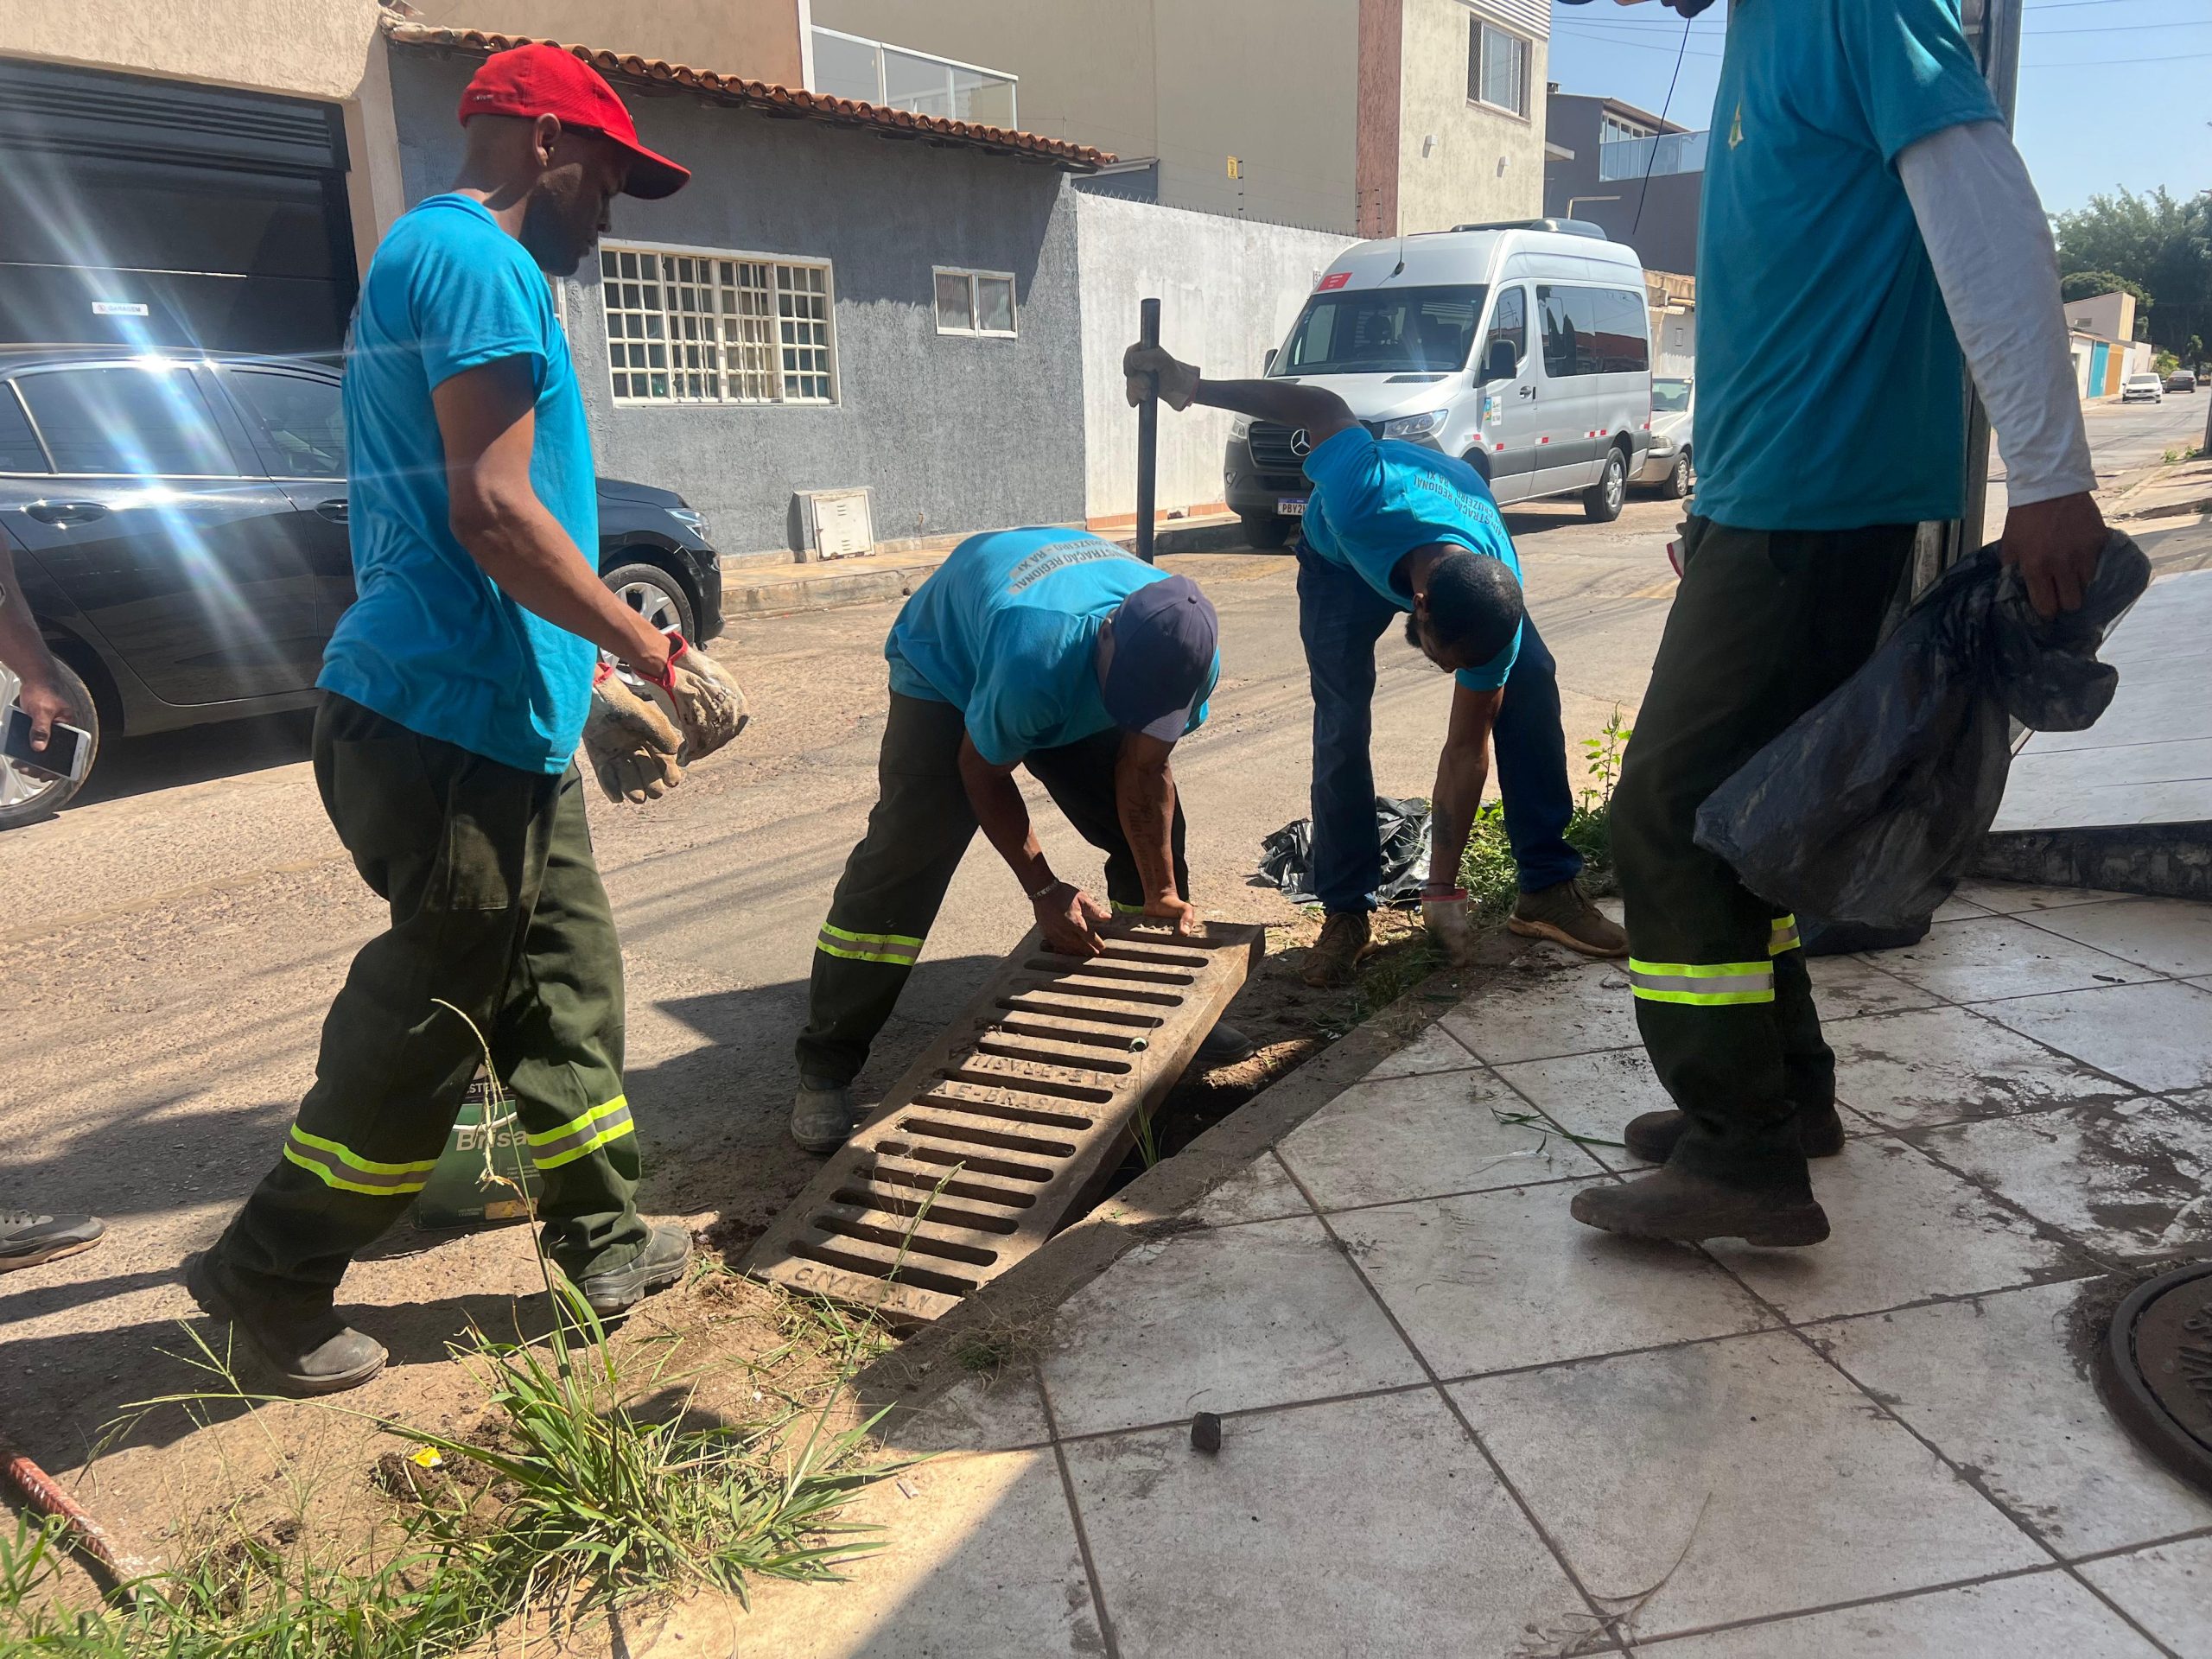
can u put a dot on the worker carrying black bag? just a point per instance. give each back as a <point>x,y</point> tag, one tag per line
<point>1872,807</point>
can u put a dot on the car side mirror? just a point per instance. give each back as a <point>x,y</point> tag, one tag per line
<point>1501,362</point>
<point>1268,362</point>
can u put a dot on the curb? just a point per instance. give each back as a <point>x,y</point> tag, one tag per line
<point>926,1367</point>
<point>789,595</point>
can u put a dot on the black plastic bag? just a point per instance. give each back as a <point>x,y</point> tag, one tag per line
<point>1871,809</point>
<point>1287,856</point>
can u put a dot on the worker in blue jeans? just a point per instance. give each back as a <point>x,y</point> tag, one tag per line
<point>1395,528</point>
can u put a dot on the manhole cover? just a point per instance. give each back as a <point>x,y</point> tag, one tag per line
<point>2156,1365</point>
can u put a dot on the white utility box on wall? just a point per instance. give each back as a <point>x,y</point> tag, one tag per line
<point>835,523</point>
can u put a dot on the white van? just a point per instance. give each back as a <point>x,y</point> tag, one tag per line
<point>1524,347</point>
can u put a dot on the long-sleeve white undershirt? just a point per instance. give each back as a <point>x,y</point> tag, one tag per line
<point>1991,247</point>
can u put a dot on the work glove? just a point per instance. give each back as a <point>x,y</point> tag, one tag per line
<point>1446,916</point>
<point>632,745</point>
<point>700,695</point>
<point>1146,370</point>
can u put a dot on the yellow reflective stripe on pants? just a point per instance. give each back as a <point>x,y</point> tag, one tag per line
<point>1784,937</point>
<point>550,1148</point>
<point>1121,909</point>
<point>1702,984</point>
<point>897,948</point>
<point>340,1166</point>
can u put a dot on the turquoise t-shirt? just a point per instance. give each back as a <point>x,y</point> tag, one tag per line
<point>1005,630</point>
<point>1829,391</point>
<point>431,642</point>
<point>1376,499</point>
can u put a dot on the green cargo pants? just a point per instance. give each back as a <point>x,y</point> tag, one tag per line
<point>896,878</point>
<point>1765,624</point>
<point>496,908</point>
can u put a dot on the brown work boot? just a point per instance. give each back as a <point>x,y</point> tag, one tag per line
<point>1563,915</point>
<point>1652,1136</point>
<point>1343,941</point>
<point>1673,1204</point>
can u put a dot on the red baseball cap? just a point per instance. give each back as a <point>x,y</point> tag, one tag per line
<point>540,79</point>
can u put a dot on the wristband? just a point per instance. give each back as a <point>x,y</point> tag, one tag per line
<point>676,646</point>
<point>1038,895</point>
<point>1458,895</point>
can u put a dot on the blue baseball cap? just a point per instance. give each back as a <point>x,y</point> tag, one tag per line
<point>1165,635</point>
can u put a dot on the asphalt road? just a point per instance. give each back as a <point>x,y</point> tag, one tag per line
<point>169,946</point>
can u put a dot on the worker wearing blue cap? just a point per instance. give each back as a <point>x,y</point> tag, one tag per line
<point>1046,649</point>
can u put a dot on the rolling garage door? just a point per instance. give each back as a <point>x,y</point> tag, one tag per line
<point>160,213</point>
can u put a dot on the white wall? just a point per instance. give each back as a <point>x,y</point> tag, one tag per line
<point>1228,290</point>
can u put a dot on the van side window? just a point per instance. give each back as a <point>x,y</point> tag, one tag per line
<point>1509,321</point>
<point>1592,331</point>
<point>1570,321</point>
<point>1623,348</point>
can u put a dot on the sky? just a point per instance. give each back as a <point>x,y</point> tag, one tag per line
<point>2142,119</point>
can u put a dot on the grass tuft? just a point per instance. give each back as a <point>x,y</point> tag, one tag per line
<point>1487,870</point>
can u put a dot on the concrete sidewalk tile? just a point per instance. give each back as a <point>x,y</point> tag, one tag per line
<point>1845,987</point>
<point>1956,909</point>
<point>1594,1095</point>
<point>1418,1137</point>
<point>1432,1050</point>
<point>1903,1230</point>
<point>1732,1480</point>
<point>1993,1384</point>
<point>2037,1615</point>
<point>1532,1011</point>
<point>2130,1179</point>
<point>1361,1527</point>
<point>1498,1280</point>
<point>2157,1037</point>
<point>982,1560</point>
<point>982,1414</point>
<point>1259,1192</point>
<point>1976,962</point>
<point>2171,936</point>
<point>1936,1065</point>
<point>1263,1315</point>
<point>2015,898</point>
<point>2167,1588</point>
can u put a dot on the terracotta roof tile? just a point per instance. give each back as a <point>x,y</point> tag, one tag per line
<point>773,99</point>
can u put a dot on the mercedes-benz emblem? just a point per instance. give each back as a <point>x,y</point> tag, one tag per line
<point>1301,444</point>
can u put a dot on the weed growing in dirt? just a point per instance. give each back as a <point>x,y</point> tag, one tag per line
<point>571,1499</point>
<point>1488,872</point>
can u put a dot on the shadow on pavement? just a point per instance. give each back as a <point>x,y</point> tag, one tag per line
<point>230,748</point>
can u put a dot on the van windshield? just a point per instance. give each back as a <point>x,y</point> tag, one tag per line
<point>1384,331</point>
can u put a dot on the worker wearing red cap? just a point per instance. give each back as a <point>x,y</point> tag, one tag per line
<point>456,690</point>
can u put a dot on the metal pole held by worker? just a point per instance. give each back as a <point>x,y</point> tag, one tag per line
<point>1148,433</point>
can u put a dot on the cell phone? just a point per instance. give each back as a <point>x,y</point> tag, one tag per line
<point>69,749</point>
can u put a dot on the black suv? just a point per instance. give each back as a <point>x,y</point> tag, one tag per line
<point>178,522</point>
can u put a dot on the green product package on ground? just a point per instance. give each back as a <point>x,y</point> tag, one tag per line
<point>485,1135</point>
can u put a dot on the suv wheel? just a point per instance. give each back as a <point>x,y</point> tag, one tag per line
<point>654,594</point>
<point>1265,529</point>
<point>1602,501</point>
<point>1682,478</point>
<point>26,798</point>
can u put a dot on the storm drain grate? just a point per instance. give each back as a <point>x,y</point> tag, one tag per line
<point>1008,1125</point>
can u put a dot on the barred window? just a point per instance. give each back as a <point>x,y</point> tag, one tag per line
<point>717,328</point>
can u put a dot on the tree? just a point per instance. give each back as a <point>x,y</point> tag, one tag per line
<point>2157,246</point>
<point>2087,285</point>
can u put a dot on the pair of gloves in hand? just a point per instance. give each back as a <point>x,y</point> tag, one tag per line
<point>638,746</point>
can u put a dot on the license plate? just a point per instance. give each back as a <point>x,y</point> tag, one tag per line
<point>1291,506</point>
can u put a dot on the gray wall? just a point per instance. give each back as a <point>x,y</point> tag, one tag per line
<point>1665,235</point>
<point>952,433</point>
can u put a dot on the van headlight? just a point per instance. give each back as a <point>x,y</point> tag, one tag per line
<point>1415,426</point>
<point>1240,428</point>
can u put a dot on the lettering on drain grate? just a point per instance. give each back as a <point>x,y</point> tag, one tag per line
<point>1009,1124</point>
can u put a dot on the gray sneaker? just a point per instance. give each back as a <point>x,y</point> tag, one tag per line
<point>28,1238</point>
<point>822,1116</point>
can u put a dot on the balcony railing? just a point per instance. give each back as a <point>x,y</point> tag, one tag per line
<point>1632,158</point>
<point>898,77</point>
